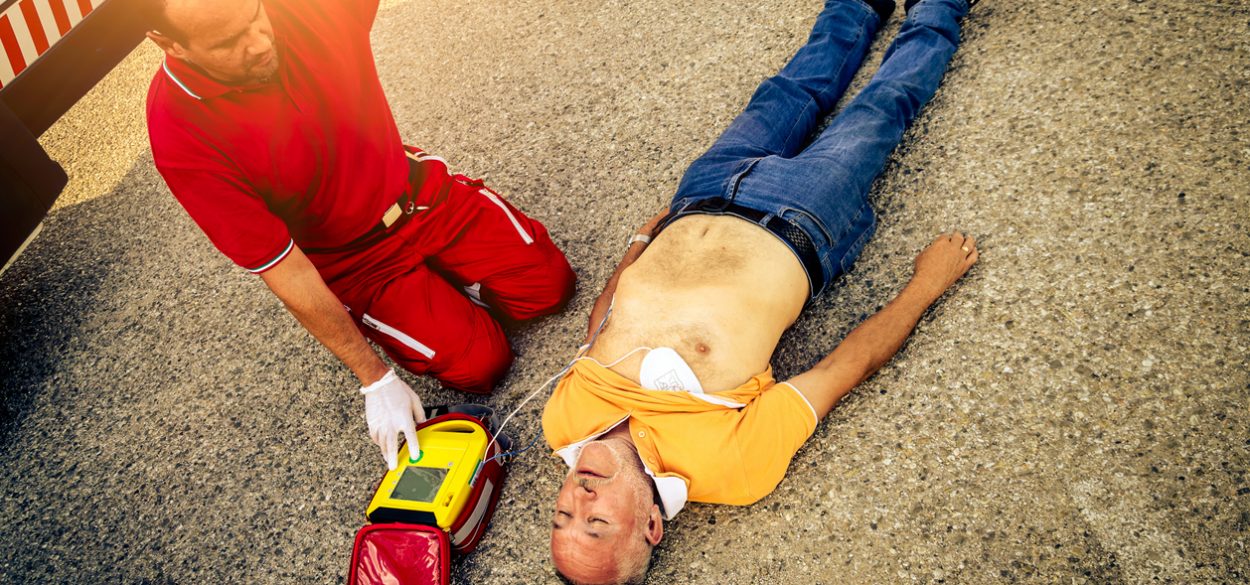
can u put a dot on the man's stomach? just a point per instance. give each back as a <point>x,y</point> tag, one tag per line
<point>717,289</point>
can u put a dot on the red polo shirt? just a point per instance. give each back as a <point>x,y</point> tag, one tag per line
<point>312,158</point>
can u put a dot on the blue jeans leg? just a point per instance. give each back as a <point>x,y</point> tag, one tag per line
<point>786,108</point>
<point>825,188</point>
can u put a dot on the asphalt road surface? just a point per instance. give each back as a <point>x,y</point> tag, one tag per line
<point>1076,410</point>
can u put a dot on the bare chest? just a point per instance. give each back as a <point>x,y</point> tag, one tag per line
<point>718,290</point>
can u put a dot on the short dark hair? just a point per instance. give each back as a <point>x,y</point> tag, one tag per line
<point>154,16</point>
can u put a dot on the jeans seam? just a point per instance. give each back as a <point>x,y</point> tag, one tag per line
<point>797,119</point>
<point>735,180</point>
<point>858,240</point>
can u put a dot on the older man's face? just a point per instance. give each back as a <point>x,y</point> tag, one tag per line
<point>605,517</point>
<point>231,40</point>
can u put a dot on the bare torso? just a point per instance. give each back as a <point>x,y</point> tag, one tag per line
<point>717,289</point>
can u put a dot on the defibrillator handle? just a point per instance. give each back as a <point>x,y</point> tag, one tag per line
<point>457,426</point>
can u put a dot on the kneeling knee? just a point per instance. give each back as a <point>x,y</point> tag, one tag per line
<point>550,289</point>
<point>477,371</point>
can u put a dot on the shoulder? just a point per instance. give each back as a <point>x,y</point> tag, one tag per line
<point>180,126</point>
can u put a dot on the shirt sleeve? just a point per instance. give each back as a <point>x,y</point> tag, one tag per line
<point>232,215</point>
<point>363,12</point>
<point>369,12</point>
<point>772,429</point>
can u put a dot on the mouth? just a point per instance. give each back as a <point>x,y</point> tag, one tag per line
<point>266,60</point>
<point>589,473</point>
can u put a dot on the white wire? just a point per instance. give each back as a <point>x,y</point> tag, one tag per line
<point>552,379</point>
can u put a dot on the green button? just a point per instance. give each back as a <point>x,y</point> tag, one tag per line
<point>420,454</point>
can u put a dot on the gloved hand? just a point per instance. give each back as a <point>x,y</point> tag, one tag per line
<point>391,407</point>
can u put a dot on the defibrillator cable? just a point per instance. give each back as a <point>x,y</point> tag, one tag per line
<point>513,452</point>
<point>547,384</point>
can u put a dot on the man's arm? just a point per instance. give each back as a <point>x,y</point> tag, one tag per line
<point>391,407</point>
<point>600,309</point>
<point>870,345</point>
<point>296,281</point>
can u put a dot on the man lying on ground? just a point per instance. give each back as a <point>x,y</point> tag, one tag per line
<point>672,398</point>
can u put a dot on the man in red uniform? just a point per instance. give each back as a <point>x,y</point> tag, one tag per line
<point>269,124</point>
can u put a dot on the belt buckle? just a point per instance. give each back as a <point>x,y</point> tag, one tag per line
<point>392,215</point>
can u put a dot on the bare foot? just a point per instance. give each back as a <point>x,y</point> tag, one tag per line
<point>945,260</point>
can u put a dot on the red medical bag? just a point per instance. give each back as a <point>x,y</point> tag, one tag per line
<point>395,553</point>
<point>400,553</point>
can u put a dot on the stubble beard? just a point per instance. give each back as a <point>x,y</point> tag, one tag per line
<point>628,467</point>
<point>270,69</point>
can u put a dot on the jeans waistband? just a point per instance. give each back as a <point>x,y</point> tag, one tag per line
<point>795,237</point>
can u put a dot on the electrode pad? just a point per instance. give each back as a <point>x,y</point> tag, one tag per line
<point>663,369</point>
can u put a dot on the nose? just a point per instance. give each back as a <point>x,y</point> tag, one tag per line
<point>584,491</point>
<point>260,43</point>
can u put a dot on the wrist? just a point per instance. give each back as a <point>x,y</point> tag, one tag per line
<point>643,239</point>
<point>925,290</point>
<point>373,373</point>
<point>386,378</point>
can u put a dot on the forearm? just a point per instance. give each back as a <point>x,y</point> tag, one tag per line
<point>635,250</point>
<point>604,301</point>
<point>871,344</point>
<point>331,325</point>
<point>296,282</point>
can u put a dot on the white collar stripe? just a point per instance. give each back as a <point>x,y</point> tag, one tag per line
<point>165,66</point>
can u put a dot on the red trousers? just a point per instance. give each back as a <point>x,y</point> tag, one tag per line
<point>432,292</point>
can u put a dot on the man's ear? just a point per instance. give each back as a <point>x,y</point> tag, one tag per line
<point>655,526</point>
<point>170,46</point>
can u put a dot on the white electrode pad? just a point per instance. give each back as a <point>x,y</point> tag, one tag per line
<point>663,369</point>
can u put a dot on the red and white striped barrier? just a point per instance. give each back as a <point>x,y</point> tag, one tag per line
<point>29,27</point>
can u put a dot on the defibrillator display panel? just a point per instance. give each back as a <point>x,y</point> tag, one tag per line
<point>432,486</point>
<point>419,484</point>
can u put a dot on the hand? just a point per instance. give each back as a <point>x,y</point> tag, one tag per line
<point>391,407</point>
<point>944,262</point>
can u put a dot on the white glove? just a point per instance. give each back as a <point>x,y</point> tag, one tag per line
<point>391,407</point>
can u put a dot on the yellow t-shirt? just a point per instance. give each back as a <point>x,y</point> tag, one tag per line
<point>725,454</point>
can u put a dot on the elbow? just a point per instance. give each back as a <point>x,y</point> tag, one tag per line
<point>858,365</point>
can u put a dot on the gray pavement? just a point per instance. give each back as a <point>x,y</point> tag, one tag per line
<point>1077,410</point>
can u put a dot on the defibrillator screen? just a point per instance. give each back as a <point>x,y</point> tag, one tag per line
<point>419,484</point>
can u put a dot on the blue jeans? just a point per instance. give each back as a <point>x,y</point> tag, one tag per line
<point>761,162</point>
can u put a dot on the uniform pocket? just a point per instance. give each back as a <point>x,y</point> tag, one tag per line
<point>405,339</point>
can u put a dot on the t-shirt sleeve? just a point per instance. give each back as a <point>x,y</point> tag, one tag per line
<point>232,215</point>
<point>772,429</point>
